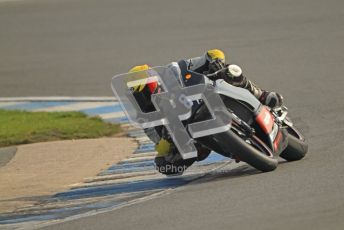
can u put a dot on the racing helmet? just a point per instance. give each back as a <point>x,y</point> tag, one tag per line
<point>215,54</point>
<point>215,59</point>
<point>143,72</point>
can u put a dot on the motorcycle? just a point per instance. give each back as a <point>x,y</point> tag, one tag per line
<point>257,134</point>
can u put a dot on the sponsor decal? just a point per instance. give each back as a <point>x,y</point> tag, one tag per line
<point>277,140</point>
<point>265,120</point>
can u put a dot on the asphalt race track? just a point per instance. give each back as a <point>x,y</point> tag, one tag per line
<point>73,48</point>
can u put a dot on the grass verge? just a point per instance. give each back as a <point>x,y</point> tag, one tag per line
<point>20,127</point>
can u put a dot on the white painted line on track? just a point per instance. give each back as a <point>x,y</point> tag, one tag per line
<point>119,176</point>
<point>143,154</point>
<point>145,142</point>
<point>116,181</point>
<point>5,104</point>
<point>107,116</point>
<point>129,127</point>
<point>76,106</point>
<point>144,138</point>
<point>40,224</point>
<point>137,159</point>
<point>62,98</point>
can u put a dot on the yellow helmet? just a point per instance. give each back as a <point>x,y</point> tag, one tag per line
<point>215,54</point>
<point>140,73</point>
<point>139,68</point>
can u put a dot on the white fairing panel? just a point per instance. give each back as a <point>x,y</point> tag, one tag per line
<point>223,88</point>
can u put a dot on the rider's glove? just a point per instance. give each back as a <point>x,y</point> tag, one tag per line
<point>271,99</point>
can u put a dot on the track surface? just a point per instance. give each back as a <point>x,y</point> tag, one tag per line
<point>295,47</point>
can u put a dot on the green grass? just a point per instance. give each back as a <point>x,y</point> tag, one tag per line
<point>20,127</point>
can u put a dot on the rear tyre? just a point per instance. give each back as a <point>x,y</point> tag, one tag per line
<point>254,152</point>
<point>262,159</point>
<point>297,146</point>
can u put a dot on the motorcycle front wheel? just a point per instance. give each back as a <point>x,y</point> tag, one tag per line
<point>297,146</point>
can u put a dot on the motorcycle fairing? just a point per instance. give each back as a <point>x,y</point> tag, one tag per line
<point>238,93</point>
<point>192,78</point>
<point>265,120</point>
<point>276,134</point>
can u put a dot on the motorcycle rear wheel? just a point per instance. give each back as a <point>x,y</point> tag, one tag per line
<point>252,151</point>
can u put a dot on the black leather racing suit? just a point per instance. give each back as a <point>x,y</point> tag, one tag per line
<point>201,65</point>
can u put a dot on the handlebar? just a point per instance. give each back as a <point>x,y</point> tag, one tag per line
<point>215,73</point>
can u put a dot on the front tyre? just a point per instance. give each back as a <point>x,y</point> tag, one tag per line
<point>297,146</point>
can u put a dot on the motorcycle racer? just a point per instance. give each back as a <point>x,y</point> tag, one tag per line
<point>214,60</point>
<point>168,160</point>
